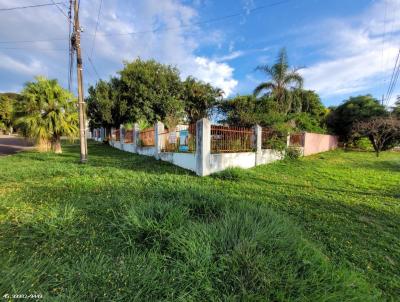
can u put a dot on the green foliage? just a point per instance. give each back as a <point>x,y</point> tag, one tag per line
<point>129,228</point>
<point>101,105</point>
<point>306,122</point>
<point>199,99</point>
<point>282,79</point>
<point>362,143</point>
<point>151,91</point>
<point>47,112</point>
<point>396,108</point>
<point>232,174</point>
<point>292,153</point>
<point>249,110</point>
<point>6,112</point>
<point>342,119</point>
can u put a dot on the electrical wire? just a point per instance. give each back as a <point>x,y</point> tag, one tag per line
<point>222,18</point>
<point>218,19</point>
<point>97,25</point>
<point>393,79</point>
<point>61,10</point>
<point>29,6</point>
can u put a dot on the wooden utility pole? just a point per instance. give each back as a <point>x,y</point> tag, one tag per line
<point>76,44</point>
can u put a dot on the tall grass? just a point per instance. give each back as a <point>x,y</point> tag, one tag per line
<point>129,228</point>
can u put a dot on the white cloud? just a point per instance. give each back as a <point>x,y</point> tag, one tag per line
<point>220,74</point>
<point>31,68</point>
<point>359,54</point>
<point>177,46</point>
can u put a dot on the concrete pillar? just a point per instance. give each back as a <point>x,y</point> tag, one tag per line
<point>203,147</point>
<point>158,129</point>
<point>258,144</point>
<point>135,134</point>
<point>288,141</point>
<point>122,136</point>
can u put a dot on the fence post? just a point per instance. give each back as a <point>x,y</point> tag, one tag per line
<point>288,140</point>
<point>158,129</point>
<point>135,134</point>
<point>258,135</point>
<point>121,136</point>
<point>111,142</point>
<point>203,147</point>
<point>102,134</point>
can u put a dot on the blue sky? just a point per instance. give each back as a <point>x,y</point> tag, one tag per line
<point>344,47</point>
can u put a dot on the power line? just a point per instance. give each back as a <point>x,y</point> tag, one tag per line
<point>222,18</point>
<point>218,19</point>
<point>29,6</point>
<point>61,10</point>
<point>97,25</point>
<point>94,68</point>
<point>394,78</point>
<point>34,48</point>
<point>32,41</point>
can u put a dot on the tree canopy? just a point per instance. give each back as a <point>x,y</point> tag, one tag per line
<point>148,91</point>
<point>281,79</point>
<point>356,109</point>
<point>47,112</point>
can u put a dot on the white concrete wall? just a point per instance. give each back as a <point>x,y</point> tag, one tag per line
<point>269,156</point>
<point>115,144</point>
<point>183,160</point>
<point>221,161</point>
<point>203,162</point>
<point>129,148</point>
<point>148,151</point>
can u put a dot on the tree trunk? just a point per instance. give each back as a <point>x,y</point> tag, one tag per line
<point>56,144</point>
<point>43,145</point>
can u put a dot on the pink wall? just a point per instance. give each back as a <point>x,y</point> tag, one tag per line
<point>316,143</point>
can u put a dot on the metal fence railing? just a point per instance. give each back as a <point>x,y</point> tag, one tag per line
<point>231,139</point>
<point>115,135</point>
<point>146,137</point>
<point>297,140</point>
<point>128,138</point>
<point>182,139</point>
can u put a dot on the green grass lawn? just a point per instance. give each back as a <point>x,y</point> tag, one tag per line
<point>129,228</point>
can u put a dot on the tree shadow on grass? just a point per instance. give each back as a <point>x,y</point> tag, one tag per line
<point>104,156</point>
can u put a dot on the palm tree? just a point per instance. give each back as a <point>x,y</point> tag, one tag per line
<point>48,112</point>
<point>282,78</point>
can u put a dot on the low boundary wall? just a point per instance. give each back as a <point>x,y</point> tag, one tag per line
<point>203,162</point>
<point>317,143</point>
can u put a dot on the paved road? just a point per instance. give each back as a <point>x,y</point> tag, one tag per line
<point>12,144</point>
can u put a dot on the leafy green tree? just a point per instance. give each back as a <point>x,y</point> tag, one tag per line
<point>396,108</point>
<point>6,113</point>
<point>383,132</point>
<point>101,107</point>
<point>356,109</point>
<point>281,79</point>
<point>149,91</point>
<point>199,98</point>
<point>48,112</point>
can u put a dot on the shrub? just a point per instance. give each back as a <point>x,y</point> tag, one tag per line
<point>292,153</point>
<point>229,174</point>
